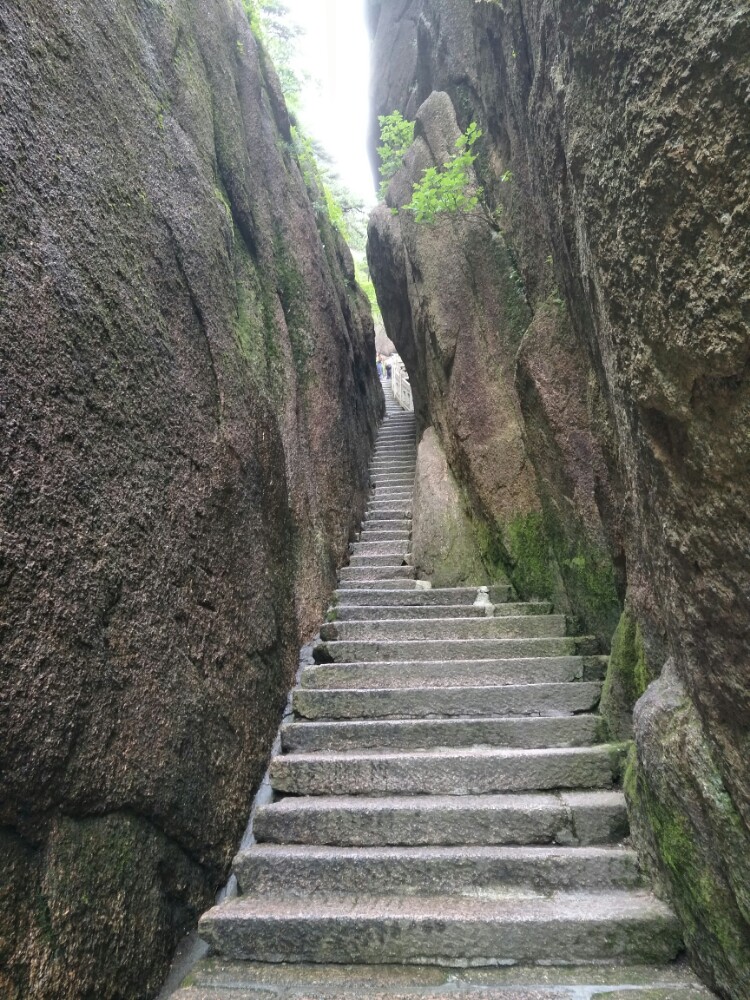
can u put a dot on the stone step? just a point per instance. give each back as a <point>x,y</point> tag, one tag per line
<point>386,524</point>
<point>298,869</point>
<point>464,771</point>
<point>396,477</point>
<point>392,463</point>
<point>219,979</point>
<point>385,535</point>
<point>574,927</point>
<point>376,506</point>
<point>398,612</point>
<point>395,464</point>
<point>355,651</point>
<point>456,702</point>
<point>365,574</point>
<point>353,586</point>
<point>504,626</point>
<point>387,512</point>
<point>379,559</point>
<point>392,493</point>
<point>454,673</point>
<point>364,613</point>
<point>431,596</point>
<point>383,548</point>
<point>425,734</point>
<point>596,817</point>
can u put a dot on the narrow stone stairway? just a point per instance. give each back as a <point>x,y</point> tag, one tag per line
<point>447,821</point>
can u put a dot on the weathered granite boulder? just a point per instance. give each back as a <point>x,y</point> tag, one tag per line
<point>688,829</point>
<point>444,547</point>
<point>183,351</point>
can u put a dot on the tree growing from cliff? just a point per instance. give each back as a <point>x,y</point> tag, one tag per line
<point>449,188</point>
<point>272,25</point>
<point>396,136</point>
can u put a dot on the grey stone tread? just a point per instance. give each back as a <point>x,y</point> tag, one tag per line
<point>364,574</point>
<point>472,771</point>
<point>445,930</point>
<point>453,673</point>
<point>383,584</point>
<point>479,872</point>
<point>381,547</point>
<point>355,650</point>
<point>543,818</point>
<point>410,734</point>
<point>378,559</point>
<point>355,612</point>
<point>384,535</point>
<point>453,993</point>
<point>453,702</point>
<point>218,979</point>
<point>431,596</point>
<point>504,626</point>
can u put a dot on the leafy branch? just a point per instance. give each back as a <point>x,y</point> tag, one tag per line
<point>396,136</point>
<point>448,188</point>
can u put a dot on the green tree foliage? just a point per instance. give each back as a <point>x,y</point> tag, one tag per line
<point>271,24</point>
<point>396,135</point>
<point>449,188</point>
<point>270,21</point>
<point>364,281</point>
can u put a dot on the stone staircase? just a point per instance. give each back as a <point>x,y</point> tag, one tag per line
<point>447,820</point>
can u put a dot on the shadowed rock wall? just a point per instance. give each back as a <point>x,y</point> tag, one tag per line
<point>187,402</point>
<point>615,167</point>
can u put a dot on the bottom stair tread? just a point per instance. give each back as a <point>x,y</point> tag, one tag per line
<point>445,930</point>
<point>217,979</point>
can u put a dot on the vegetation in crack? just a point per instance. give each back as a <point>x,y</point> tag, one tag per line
<point>396,137</point>
<point>448,189</point>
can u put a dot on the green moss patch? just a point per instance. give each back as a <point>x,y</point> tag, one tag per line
<point>627,677</point>
<point>528,545</point>
<point>694,841</point>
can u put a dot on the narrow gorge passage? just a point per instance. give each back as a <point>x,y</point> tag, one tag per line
<point>447,820</point>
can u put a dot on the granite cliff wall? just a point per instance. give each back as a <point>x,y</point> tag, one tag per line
<point>188,398</point>
<point>615,175</point>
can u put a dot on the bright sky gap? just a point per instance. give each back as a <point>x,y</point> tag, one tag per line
<point>333,55</point>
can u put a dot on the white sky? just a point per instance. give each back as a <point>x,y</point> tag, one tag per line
<point>335,53</point>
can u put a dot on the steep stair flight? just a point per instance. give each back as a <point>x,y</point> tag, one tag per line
<point>447,818</point>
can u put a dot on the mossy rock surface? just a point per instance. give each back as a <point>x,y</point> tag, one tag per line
<point>628,676</point>
<point>690,833</point>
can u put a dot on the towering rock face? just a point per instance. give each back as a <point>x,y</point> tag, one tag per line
<point>188,397</point>
<point>615,169</point>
